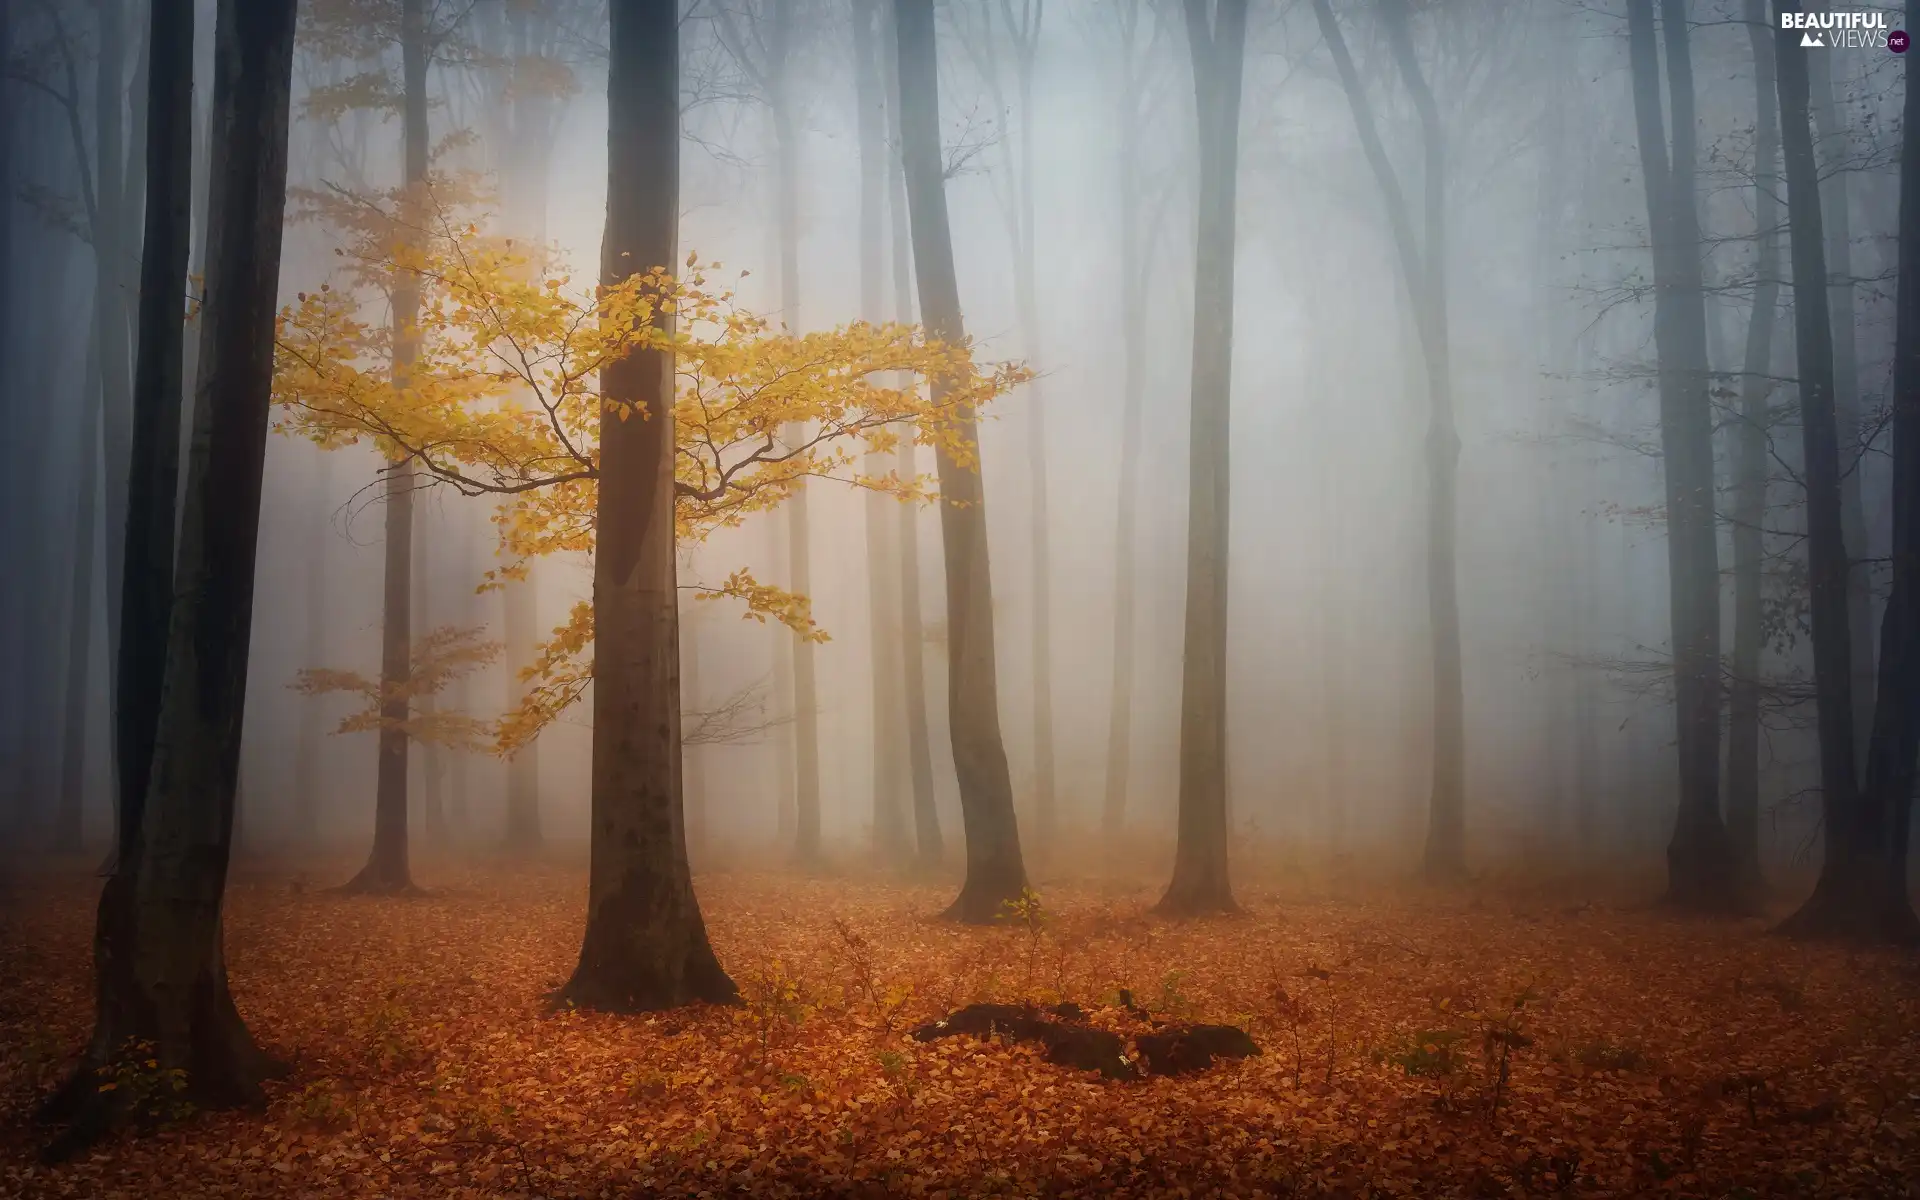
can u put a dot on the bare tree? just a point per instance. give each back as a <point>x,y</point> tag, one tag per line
<point>1216,44</point>
<point>996,873</point>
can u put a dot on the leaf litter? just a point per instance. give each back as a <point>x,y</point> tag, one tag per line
<point>1416,1045</point>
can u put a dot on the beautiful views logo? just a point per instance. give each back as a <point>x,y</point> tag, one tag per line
<point>1823,30</point>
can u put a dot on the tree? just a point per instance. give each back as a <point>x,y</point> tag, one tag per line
<point>1862,889</point>
<point>1216,46</point>
<point>438,659</point>
<point>645,945</point>
<point>146,576</point>
<point>1423,268</point>
<point>766,52</point>
<point>890,752</point>
<point>160,975</point>
<point>928,844</point>
<point>1020,27</point>
<point>1700,864</point>
<point>1750,466</point>
<point>995,873</point>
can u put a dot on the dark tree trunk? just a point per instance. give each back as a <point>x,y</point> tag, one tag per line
<point>1700,864</point>
<point>645,945</point>
<point>1861,892</point>
<point>995,873</point>
<point>387,869</point>
<point>146,573</point>
<point>929,847</point>
<point>159,969</point>
<point>1750,465</point>
<point>1831,141</point>
<point>1200,883</point>
<point>890,832</point>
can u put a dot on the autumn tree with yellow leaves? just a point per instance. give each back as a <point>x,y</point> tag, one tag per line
<point>503,399</point>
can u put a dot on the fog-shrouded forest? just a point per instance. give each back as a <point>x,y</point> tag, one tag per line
<point>958,597</point>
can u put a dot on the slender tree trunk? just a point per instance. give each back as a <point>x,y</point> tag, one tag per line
<point>1831,140</point>
<point>1200,882</point>
<point>1027,303</point>
<point>387,869</point>
<point>806,702</point>
<point>645,945</point>
<point>890,832</point>
<point>1133,338</point>
<point>146,572</point>
<point>929,847</point>
<point>1861,892</point>
<point>995,873</point>
<point>1750,466</point>
<point>70,822</point>
<point>159,968</point>
<point>1700,863</point>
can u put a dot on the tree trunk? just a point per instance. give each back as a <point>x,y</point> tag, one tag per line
<point>890,833</point>
<point>69,832</point>
<point>159,969</point>
<point>645,945</point>
<point>146,573</point>
<point>1831,140</point>
<point>928,845</point>
<point>995,872</point>
<point>1200,882</point>
<point>1750,466</point>
<point>806,702</point>
<point>1861,892</point>
<point>387,869</point>
<point>1700,864</point>
<point>1133,338</point>
<point>1027,306</point>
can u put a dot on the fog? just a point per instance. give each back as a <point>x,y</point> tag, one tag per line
<point>1562,558</point>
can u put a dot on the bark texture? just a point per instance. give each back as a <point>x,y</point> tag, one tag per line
<point>160,975</point>
<point>645,945</point>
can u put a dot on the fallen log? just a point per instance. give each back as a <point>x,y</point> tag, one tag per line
<point>1168,1050</point>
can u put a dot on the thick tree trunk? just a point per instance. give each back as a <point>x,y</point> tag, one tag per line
<point>645,945</point>
<point>1200,882</point>
<point>1750,466</point>
<point>388,869</point>
<point>995,873</point>
<point>1700,864</point>
<point>159,970</point>
<point>1836,212</point>
<point>1861,892</point>
<point>890,832</point>
<point>929,847</point>
<point>146,573</point>
<point>69,833</point>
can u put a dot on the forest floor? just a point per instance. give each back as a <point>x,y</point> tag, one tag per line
<point>1644,1054</point>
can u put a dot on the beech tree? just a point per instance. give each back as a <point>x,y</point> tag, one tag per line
<point>1216,45</point>
<point>1700,863</point>
<point>996,874</point>
<point>1862,889</point>
<point>159,972</point>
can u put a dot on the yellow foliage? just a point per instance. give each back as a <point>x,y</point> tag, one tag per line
<point>436,659</point>
<point>503,398</point>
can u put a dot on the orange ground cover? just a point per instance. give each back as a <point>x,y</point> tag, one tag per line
<point>1644,1054</point>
